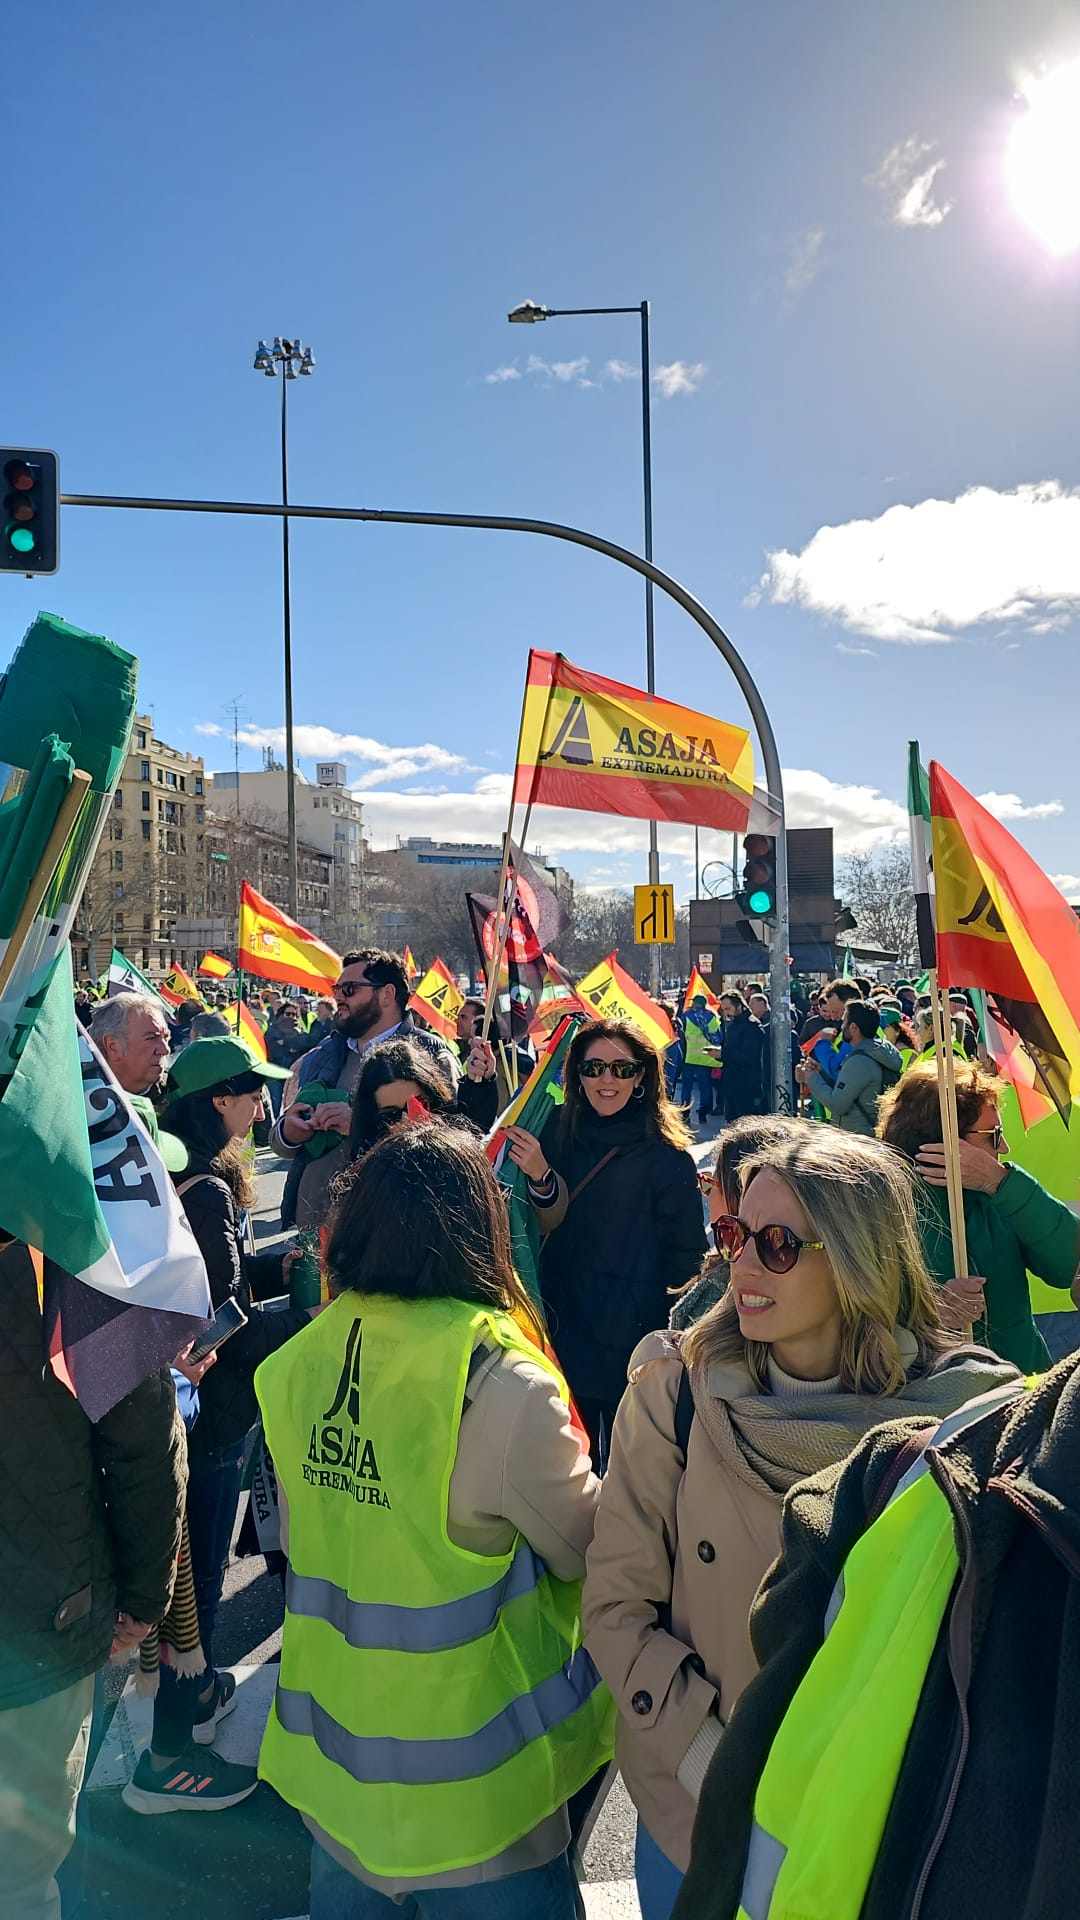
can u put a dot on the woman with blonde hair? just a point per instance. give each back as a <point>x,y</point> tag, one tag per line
<point>829,1325</point>
<point>615,1193</point>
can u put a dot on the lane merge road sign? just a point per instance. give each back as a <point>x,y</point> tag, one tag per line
<point>654,916</point>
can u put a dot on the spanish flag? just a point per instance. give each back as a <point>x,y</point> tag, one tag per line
<point>179,986</point>
<point>215,966</point>
<point>273,947</point>
<point>438,999</point>
<point>412,971</point>
<point>1004,927</point>
<point>609,993</point>
<point>695,985</point>
<point>248,1028</point>
<point>601,747</point>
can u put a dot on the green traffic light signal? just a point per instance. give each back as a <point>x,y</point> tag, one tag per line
<point>30,510</point>
<point>760,902</point>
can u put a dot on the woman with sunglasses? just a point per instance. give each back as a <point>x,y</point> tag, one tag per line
<point>829,1325</point>
<point>616,1195</point>
<point>1014,1227</point>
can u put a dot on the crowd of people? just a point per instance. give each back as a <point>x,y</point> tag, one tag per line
<point>668,1515</point>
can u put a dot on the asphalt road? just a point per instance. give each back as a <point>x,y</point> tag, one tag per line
<point>252,1861</point>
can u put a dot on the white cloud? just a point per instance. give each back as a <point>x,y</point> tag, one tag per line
<point>208,727</point>
<point>858,653</point>
<point>906,178</point>
<point>621,370</point>
<point>680,377</point>
<point>1009,806</point>
<point>1068,884</point>
<point>805,261</point>
<point>499,375</point>
<point>564,371</point>
<point>931,571</point>
<point>325,743</point>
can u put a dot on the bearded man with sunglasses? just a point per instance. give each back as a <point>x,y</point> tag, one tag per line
<point>371,995</point>
<point>1014,1227</point>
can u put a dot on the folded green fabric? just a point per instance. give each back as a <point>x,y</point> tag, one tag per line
<point>315,1095</point>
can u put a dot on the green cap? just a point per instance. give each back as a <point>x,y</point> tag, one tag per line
<point>210,1062</point>
<point>173,1152</point>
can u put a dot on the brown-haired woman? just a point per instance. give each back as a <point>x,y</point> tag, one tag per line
<point>829,1326</point>
<point>435,1710</point>
<point>616,1194</point>
<point>1014,1227</point>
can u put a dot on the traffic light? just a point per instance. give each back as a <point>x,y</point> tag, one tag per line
<point>30,492</point>
<point>757,896</point>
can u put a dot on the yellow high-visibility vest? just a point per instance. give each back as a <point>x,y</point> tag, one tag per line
<point>826,1788</point>
<point>434,1705</point>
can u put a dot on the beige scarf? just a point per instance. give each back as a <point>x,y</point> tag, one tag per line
<point>772,1440</point>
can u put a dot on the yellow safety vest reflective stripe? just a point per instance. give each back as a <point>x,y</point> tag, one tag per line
<point>825,1792</point>
<point>434,1705</point>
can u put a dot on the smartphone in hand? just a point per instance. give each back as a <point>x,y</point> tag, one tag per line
<point>228,1320</point>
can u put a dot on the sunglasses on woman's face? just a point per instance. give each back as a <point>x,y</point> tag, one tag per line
<point>619,1069</point>
<point>778,1248</point>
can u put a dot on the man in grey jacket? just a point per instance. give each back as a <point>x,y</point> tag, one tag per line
<point>870,1067</point>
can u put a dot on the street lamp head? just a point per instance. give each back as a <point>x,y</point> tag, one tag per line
<point>263,362</point>
<point>527,314</point>
<point>307,363</point>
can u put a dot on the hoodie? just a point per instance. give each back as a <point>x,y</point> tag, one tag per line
<point>866,1072</point>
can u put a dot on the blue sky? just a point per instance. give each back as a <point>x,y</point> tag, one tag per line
<point>854,324</point>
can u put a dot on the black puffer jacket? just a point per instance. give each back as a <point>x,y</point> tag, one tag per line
<point>89,1514</point>
<point>743,1082</point>
<point>226,1395</point>
<point>633,1233</point>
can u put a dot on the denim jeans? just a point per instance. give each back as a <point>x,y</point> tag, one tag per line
<point>544,1893</point>
<point>698,1080</point>
<point>658,1880</point>
<point>212,1497</point>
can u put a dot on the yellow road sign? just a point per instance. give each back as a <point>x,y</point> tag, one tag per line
<point>654,916</point>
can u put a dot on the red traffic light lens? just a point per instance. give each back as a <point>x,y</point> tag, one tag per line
<point>19,475</point>
<point>758,873</point>
<point>19,506</point>
<point>756,846</point>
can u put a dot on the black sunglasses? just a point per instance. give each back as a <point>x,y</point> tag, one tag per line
<point>778,1248</point>
<point>347,988</point>
<point>619,1069</point>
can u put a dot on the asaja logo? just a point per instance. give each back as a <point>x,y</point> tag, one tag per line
<point>339,1457</point>
<point>572,743</point>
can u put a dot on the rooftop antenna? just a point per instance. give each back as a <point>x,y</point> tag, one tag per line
<point>234,708</point>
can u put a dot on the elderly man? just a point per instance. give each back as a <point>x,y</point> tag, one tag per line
<point>132,1034</point>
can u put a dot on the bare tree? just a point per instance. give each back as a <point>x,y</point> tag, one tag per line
<point>877,887</point>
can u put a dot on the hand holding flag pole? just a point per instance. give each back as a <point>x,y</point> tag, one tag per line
<point>919,824</point>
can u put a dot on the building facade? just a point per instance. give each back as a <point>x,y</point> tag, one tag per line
<point>329,819</point>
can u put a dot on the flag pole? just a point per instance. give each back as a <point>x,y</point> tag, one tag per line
<point>950,1132</point>
<point>239,994</point>
<point>503,919</point>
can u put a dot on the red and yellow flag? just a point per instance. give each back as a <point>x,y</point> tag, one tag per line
<point>696,985</point>
<point>438,999</point>
<point>601,747</point>
<point>215,966</point>
<point>273,947</point>
<point>248,1028</point>
<point>1004,927</point>
<point>179,986</point>
<point>608,993</point>
<point>412,971</point>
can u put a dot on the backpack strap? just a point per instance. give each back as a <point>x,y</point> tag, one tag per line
<point>904,1457</point>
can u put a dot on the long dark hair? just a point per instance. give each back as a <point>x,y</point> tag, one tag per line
<point>421,1217</point>
<point>196,1121</point>
<point>661,1120</point>
<point>382,1065</point>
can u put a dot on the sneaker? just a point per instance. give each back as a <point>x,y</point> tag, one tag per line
<point>198,1783</point>
<point>221,1702</point>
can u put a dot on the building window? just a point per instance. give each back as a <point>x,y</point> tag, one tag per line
<point>160,776</point>
<point>183,784</point>
<point>199,815</point>
<point>145,804</point>
<point>146,923</point>
<point>144,769</point>
<point>118,890</point>
<point>145,824</point>
<point>198,783</point>
<point>118,798</point>
<point>171,778</point>
<point>118,862</point>
<point>118,922</point>
<point>118,830</point>
<point>141,740</point>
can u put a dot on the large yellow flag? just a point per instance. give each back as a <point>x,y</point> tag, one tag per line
<point>597,745</point>
<point>273,947</point>
<point>438,999</point>
<point>610,993</point>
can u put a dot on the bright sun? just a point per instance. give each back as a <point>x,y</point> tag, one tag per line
<point>1042,166</point>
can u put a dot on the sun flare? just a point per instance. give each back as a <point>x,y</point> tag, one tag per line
<point>1042,165</point>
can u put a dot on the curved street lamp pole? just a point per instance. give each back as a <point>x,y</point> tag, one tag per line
<point>780,1031</point>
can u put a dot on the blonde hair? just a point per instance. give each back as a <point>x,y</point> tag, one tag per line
<point>859,1198</point>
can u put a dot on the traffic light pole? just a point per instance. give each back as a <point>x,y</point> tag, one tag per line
<point>576,536</point>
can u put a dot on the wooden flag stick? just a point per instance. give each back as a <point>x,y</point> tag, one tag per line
<point>950,1131</point>
<point>67,814</point>
<point>503,918</point>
